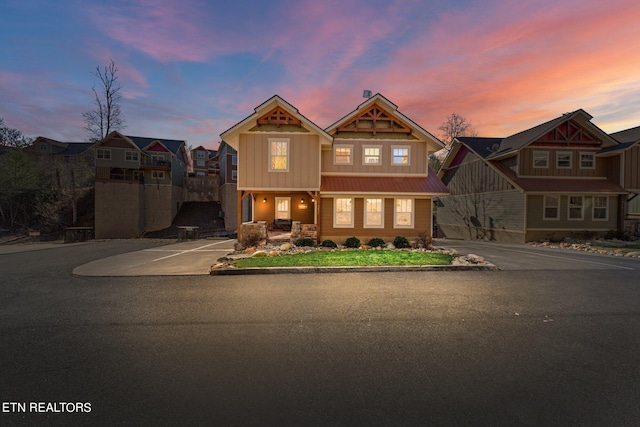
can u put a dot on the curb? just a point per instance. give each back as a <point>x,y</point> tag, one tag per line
<point>312,270</point>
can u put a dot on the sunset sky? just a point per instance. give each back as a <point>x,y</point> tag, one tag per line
<point>191,69</point>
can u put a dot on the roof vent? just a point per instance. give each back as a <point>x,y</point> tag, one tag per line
<point>366,94</point>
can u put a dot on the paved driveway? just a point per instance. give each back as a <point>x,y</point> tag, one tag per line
<point>523,257</point>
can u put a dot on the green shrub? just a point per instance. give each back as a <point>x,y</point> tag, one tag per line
<point>251,238</point>
<point>400,242</point>
<point>352,242</point>
<point>329,244</point>
<point>305,241</point>
<point>375,242</point>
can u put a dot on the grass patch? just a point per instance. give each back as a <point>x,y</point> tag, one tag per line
<point>358,258</point>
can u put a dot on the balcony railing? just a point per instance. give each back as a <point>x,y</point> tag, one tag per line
<point>155,164</point>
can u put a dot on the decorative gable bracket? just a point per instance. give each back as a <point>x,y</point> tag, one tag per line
<point>278,116</point>
<point>375,120</point>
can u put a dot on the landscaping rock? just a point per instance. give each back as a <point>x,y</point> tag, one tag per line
<point>285,247</point>
<point>258,254</point>
<point>475,259</point>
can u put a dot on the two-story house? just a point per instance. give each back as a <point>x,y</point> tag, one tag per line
<point>554,180</point>
<point>366,175</point>
<point>202,161</point>
<point>69,152</point>
<point>139,184</point>
<point>628,151</point>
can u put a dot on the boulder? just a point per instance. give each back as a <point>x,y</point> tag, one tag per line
<point>285,247</point>
<point>258,254</point>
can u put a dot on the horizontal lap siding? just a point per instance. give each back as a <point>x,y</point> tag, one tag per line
<point>422,221</point>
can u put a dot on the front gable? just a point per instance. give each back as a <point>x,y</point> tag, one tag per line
<point>157,147</point>
<point>568,134</point>
<point>374,120</point>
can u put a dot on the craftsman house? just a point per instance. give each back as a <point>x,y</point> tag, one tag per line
<point>554,180</point>
<point>628,152</point>
<point>365,176</point>
<point>202,160</point>
<point>68,152</point>
<point>139,184</point>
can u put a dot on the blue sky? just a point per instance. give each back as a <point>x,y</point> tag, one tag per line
<point>191,69</point>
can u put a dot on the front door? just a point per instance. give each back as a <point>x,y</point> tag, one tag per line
<point>283,207</point>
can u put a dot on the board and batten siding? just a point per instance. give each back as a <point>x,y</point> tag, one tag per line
<point>497,215</point>
<point>536,221</point>
<point>527,169</point>
<point>631,169</point>
<point>304,163</point>
<point>417,157</point>
<point>474,176</point>
<point>422,220</point>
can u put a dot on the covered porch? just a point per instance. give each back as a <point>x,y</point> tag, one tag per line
<point>280,215</point>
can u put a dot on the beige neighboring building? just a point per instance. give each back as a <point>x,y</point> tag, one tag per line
<point>365,176</point>
<point>559,179</point>
<point>139,184</point>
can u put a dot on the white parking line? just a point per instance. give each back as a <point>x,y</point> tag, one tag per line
<point>189,250</point>
<point>574,260</point>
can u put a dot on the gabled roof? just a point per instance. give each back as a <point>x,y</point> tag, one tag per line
<point>172,145</point>
<point>232,135</point>
<point>515,142</point>
<point>392,109</point>
<point>75,148</point>
<point>626,138</point>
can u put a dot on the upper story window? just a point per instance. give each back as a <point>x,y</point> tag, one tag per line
<point>278,155</point>
<point>131,156</point>
<point>104,154</point>
<point>43,146</point>
<point>587,161</point>
<point>200,154</point>
<point>157,157</point>
<point>343,155</point>
<point>200,163</point>
<point>234,160</point>
<point>540,159</point>
<point>371,155</point>
<point>576,204</point>
<point>400,155</point>
<point>551,207</point>
<point>234,175</point>
<point>563,159</point>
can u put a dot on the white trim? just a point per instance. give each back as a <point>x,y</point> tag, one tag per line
<point>395,212</point>
<point>133,153</point>
<point>564,177</point>
<point>544,209</point>
<point>593,209</point>
<point>277,189</point>
<point>569,208</point>
<point>558,153</point>
<point>288,155</point>
<point>364,215</point>
<point>364,149</point>
<point>533,159</point>
<point>593,154</point>
<point>343,146</point>
<point>104,151</point>
<point>408,148</point>
<point>352,224</point>
<point>368,174</point>
<point>276,211</point>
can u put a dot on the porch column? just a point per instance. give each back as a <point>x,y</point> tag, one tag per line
<point>239,213</point>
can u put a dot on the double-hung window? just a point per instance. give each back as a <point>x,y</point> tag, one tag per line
<point>576,205</point>
<point>551,207</point>
<point>373,217</point>
<point>371,155</point>
<point>104,154</point>
<point>403,213</point>
<point>563,159</point>
<point>587,161</point>
<point>400,155</point>
<point>131,156</point>
<point>343,154</point>
<point>278,155</point>
<point>600,208</point>
<point>343,212</point>
<point>540,159</point>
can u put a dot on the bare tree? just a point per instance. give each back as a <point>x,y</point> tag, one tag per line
<point>454,126</point>
<point>106,116</point>
<point>10,137</point>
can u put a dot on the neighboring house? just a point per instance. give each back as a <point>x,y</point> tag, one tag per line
<point>628,151</point>
<point>554,180</point>
<point>139,184</point>
<point>226,160</point>
<point>70,152</point>
<point>202,161</point>
<point>366,175</point>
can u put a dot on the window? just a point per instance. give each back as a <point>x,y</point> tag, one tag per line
<point>234,160</point>
<point>343,213</point>
<point>371,155</point>
<point>200,173</point>
<point>563,160</point>
<point>157,174</point>
<point>200,154</point>
<point>400,156</point>
<point>200,163</point>
<point>103,154</point>
<point>403,213</point>
<point>131,156</point>
<point>587,161</point>
<point>278,155</point>
<point>540,159</point>
<point>342,155</point>
<point>600,208</point>
<point>282,207</point>
<point>234,175</point>
<point>157,158</point>
<point>575,207</point>
<point>373,213</point>
<point>551,207</point>
<point>43,146</point>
